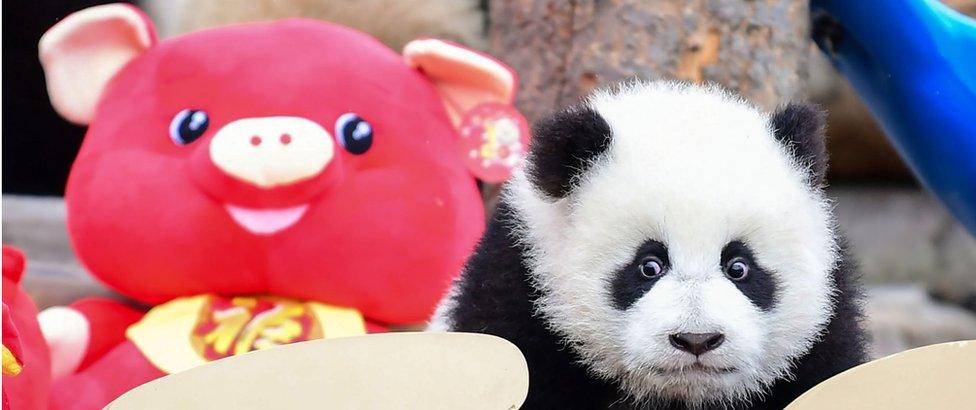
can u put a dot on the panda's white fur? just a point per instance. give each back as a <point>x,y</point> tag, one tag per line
<point>695,168</point>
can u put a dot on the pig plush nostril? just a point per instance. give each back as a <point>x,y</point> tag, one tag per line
<point>255,140</point>
<point>285,139</point>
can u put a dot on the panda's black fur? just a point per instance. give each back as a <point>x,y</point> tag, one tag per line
<point>496,294</point>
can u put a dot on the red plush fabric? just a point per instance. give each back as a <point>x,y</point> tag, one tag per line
<point>107,321</point>
<point>13,264</point>
<point>29,389</point>
<point>119,370</point>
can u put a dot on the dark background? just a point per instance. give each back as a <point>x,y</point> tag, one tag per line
<point>38,145</point>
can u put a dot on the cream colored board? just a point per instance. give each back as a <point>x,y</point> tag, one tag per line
<point>941,376</point>
<point>380,371</point>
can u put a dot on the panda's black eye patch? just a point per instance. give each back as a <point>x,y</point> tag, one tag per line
<point>739,265</point>
<point>649,264</point>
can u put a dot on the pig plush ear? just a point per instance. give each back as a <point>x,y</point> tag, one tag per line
<point>83,52</point>
<point>478,92</point>
<point>464,77</point>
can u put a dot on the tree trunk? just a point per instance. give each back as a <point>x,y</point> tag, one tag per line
<point>563,49</point>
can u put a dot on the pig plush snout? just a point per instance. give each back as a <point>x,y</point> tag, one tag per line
<point>269,152</point>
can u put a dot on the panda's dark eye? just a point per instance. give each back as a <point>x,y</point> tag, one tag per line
<point>651,267</point>
<point>737,269</point>
<point>188,125</point>
<point>354,133</point>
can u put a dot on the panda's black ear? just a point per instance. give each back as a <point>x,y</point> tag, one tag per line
<point>801,127</point>
<point>563,146</point>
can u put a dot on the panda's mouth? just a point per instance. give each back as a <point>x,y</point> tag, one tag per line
<point>266,221</point>
<point>696,367</point>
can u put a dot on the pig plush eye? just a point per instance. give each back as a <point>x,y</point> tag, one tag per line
<point>188,125</point>
<point>354,133</point>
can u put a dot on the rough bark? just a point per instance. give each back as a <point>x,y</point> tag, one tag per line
<point>564,48</point>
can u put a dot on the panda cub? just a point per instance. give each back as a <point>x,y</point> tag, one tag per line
<point>667,246</point>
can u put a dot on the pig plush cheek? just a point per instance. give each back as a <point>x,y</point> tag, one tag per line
<point>188,247</point>
<point>369,243</point>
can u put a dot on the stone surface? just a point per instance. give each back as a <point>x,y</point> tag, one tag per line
<point>36,225</point>
<point>901,317</point>
<point>902,235</point>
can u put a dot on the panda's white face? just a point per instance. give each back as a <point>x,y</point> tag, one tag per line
<point>692,260</point>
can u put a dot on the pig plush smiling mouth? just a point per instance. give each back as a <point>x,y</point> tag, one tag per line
<point>266,221</point>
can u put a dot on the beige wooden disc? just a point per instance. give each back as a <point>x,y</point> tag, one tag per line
<point>941,376</point>
<point>380,371</point>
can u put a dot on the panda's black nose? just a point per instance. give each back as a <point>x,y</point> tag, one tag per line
<point>696,343</point>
